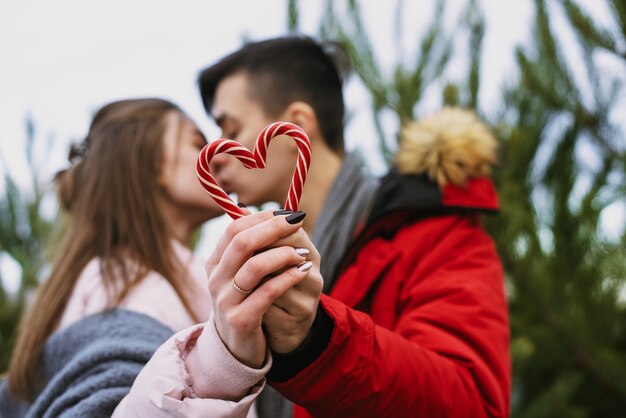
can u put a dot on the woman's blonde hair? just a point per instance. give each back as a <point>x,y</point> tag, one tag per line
<point>112,199</point>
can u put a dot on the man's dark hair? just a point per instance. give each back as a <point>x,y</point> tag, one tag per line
<point>284,70</point>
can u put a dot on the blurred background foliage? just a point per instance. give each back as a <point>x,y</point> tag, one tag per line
<point>563,162</point>
<point>24,235</point>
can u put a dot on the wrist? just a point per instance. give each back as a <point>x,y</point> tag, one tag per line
<point>288,365</point>
<point>285,343</point>
<point>250,350</point>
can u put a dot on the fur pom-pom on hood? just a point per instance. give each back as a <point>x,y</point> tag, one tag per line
<point>451,146</point>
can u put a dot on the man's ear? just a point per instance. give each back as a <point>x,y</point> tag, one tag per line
<point>303,115</point>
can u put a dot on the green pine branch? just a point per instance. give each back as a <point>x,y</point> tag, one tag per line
<point>619,10</point>
<point>587,30</point>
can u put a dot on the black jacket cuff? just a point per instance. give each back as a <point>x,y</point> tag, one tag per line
<point>286,366</point>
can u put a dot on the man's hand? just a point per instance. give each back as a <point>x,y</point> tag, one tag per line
<point>288,321</point>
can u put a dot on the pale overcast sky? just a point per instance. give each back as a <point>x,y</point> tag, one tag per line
<point>61,60</point>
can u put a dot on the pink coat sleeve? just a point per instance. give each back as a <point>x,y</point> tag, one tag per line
<point>194,375</point>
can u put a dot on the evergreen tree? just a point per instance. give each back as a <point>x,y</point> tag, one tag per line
<point>401,91</point>
<point>293,17</point>
<point>23,233</point>
<point>563,163</point>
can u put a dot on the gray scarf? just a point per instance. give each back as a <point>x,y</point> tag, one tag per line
<point>90,366</point>
<point>346,205</point>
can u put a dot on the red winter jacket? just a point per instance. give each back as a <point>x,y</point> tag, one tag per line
<point>418,317</point>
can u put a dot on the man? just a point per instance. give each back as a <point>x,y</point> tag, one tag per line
<point>415,323</point>
<point>295,80</point>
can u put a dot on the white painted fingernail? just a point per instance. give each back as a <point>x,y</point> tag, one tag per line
<point>302,251</point>
<point>306,266</point>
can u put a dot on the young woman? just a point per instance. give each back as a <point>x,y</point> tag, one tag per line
<point>133,203</point>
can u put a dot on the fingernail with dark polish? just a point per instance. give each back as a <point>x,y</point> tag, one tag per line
<point>306,266</point>
<point>296,217</point>
<point>242,205</point>
<point>283,212</point>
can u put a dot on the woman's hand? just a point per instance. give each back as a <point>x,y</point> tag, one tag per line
<point>236,270</point>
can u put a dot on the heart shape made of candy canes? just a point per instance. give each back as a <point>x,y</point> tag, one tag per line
<point>255,159</point>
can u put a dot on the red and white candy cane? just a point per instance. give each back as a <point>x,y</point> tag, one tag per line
<point>255,159</point>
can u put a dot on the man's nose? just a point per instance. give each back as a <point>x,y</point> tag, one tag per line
<point>217,163</point>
